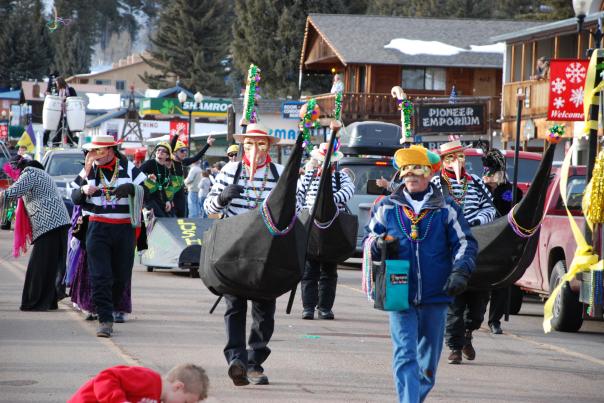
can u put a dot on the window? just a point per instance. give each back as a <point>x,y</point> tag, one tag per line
<point>102,82</point>
<point>574,192</point>
<point>428,78</point>
<point>120,85</point>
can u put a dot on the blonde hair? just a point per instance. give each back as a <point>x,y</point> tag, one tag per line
<point>193,377</point>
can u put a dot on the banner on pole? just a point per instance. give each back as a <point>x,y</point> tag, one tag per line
<point>566,83</point>
<point>180,128</point>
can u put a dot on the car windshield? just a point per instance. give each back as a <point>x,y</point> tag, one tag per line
<point>362,173</point>
<point>526,171</point>
<point>65,164</point>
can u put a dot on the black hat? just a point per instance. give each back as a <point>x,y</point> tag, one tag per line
<point>493,161</point>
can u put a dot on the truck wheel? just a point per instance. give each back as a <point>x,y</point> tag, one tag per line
<point>516,296</point>
<point>568,311</point>
<point>150,269</point>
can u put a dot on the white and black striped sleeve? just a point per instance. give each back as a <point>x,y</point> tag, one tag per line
<point>302,188</point>
<point>24,184</point>
<point>487,212</point>
<point>346,189</point>
<point>211,204</point>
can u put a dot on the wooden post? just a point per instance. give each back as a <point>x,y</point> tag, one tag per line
<point>533,58</point>
<point>513,64</point>
<point>522,61</point>
<point>556,46</point>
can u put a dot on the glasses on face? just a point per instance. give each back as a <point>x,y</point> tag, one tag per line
<point>182,150</point>
<point>248,144</point>
<point>418,170</point>
<point>232,155</point>
<point>453,157</point>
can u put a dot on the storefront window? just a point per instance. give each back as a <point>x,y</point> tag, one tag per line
<point>428,78</point>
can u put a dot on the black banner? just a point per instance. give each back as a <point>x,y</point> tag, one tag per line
<point>450,118</point>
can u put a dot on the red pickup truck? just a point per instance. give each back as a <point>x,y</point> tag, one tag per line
<point>555,251</point>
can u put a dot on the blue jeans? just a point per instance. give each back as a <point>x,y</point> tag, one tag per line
<point>193,202</point>
<point>202,211</point>
<point>417,341</point>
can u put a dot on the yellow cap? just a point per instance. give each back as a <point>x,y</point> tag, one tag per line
<point>179,144</point>
<point>414,155</point>
<point>233,149</point>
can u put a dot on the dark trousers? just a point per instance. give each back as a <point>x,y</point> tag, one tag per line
<point>499,298</point>
<point>319,285</point>
<point>263,324</point>
<point>43,286</point>
<point>466,312</point>
<point>110,250</point>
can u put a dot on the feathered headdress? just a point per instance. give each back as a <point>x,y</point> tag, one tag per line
<point>493,161</point>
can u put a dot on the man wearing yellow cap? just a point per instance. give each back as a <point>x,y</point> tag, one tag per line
<point>232,152</point>
<point>432,236</point>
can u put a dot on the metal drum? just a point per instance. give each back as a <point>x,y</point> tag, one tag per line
<point>51,113</point>
<point>75,110</point>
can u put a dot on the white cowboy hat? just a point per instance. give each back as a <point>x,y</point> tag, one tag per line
<point>256,130</point>
<point>451,147</point>
<point>100,141</point>
<point>319,153</point>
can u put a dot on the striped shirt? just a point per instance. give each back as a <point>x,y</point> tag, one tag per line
<point>254,192</point>
<point>97,205</point>
<point>477,205</point>
<point>308,185</point>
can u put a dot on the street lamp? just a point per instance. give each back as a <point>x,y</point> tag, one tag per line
<point>182,98</point>
<point>582,8</point>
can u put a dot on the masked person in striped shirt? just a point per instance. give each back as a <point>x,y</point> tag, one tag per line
<point>103,189</point>
<point>469,192</point>
<point>319,280</point>
<point>239,188</point>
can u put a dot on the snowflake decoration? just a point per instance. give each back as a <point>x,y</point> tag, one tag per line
<point>576,96</point>
<point>558,102</point>
<point>558,85</point>
<point>575,72</point>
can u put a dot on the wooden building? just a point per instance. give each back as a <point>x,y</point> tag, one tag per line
<point>425,56</point>
<point>555,40</point>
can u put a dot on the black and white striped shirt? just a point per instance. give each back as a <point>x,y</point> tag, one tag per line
<point>97,205</point>
<point>308,185</point>
<point>253,194</point>
<point>476,205</point>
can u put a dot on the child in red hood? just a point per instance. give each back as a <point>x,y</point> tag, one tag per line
<point>185,383</point>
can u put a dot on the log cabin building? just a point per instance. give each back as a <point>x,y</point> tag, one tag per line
<point>427,57</point>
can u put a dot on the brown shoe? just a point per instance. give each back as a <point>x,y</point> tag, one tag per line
<point>454,357</point>
<point>468,352</point>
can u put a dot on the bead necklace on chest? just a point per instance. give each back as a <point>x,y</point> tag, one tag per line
<point>106,187</point>
<point>413,233</point>
<point>251,188</point>
<point>162,179</point>
<point>458,196</point>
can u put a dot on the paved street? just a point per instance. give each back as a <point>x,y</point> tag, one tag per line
<point>44,357</point>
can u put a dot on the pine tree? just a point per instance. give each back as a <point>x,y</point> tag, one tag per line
<point>73,42</point>
<point>190,43</point>
<point>24,48</point>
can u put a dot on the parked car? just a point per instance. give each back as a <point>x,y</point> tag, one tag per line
<point>369,147</point>
<point>555,250</point>
<point>63,165</point>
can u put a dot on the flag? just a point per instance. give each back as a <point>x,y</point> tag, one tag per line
<point>28,139</point>
<point>453,96</point>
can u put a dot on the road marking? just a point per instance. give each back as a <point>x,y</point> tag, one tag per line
<point>351,288</point>
<point>18,269</point>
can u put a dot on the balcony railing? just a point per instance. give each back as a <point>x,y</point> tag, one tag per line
<point>383,107</point>
<point>537,97</point>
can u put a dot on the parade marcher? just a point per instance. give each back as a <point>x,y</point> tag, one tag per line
<point>494,176</point>
<point>192,183</point>
<point>183,383</point>
<point>466,312</point>
<point>159,181</point>
<point>320,279</point>
<point>179,161</point>
<point>233,152</point>
<point>239,188</point>
<point>109,189</point>
<point>432,235</point>
<point>41,219</point>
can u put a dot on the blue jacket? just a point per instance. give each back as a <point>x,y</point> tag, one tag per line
<point>448,245</point>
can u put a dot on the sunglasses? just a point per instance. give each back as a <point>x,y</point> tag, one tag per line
<point>231,155</point>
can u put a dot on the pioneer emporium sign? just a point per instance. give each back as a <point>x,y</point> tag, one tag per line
<point>450,118</point>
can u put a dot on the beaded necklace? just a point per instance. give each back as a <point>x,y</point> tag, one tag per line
<point>461,198</point>
<point>270,224</point>
<point>105,187</point>
<point>162,183</point>
<point>257,191</point>
<point>413,235</point>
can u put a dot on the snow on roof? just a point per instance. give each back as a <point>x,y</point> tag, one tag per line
<point>418,47</point>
